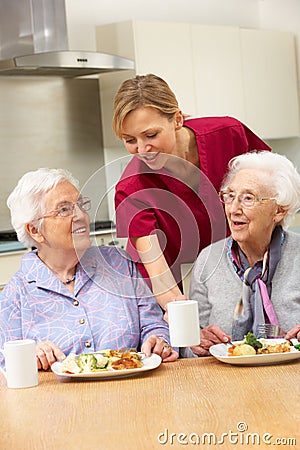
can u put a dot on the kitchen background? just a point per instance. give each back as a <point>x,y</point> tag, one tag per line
<point>280,15</point>
<point>56,122</point>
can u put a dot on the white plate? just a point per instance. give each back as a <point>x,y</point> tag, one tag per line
<point>148,364</point>
<point>220,351</point>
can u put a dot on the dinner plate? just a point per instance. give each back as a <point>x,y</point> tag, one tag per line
<point>149,363</point>
<point>220,351</point>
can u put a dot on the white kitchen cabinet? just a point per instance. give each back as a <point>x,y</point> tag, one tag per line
<point>109,83</point>
<point>162,48</point>
<point>156,47</point>
<point>218,71</point>
<point>270,82</point>
<point>249,74</point>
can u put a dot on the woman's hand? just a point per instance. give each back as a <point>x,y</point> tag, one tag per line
<point>47,353</point>
<point>209,336</point>
<point>293,333</point>
<point>159,346</point>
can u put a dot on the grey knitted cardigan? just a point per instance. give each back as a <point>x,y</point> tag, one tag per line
<point>217,287</point>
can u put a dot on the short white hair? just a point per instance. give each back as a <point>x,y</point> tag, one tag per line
<point>26,200</point>
<point>283,178</point>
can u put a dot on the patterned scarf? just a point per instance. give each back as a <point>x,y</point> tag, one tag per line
<point>255,306</point>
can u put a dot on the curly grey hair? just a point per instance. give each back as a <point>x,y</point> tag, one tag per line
<point>26,200</point>
<point>283,178</point>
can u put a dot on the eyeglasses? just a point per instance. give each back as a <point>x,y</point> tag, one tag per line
<point>67,208</point>
<point>247,200</point>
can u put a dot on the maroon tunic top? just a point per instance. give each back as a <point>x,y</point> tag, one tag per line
<point>186,216</point>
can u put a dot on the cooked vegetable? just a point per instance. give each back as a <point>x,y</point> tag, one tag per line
<point>102,360</point>
<point>253,346</point>
<point>69,365</point>
<point>275,348</point>
<point>84,363</point>
<point>243,350</point>
<point>90,362</point>
<point>87,362</point>
<point>250,339</point>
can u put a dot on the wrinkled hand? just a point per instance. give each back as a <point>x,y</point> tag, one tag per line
<point>293,333</point>
<point>157,345</point>
<point>47,353</point>
<point>209,336</point>
<point>177,298</point>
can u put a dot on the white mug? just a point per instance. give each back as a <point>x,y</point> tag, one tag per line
<point>184,325</point>
<point>21,363</point>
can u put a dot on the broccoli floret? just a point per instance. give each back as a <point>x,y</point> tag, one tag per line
<point>87,362</point>
<point>250,339</point>
<point>102,361</point>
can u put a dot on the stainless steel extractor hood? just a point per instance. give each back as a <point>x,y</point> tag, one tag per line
<point>34,41</point>
<point>64,63</point>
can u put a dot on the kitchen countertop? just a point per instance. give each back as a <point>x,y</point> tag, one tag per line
<point>105,231</point>
<point>13,246</point>
<point>10,247</point>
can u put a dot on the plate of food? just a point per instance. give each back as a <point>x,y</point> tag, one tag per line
<point>252,351</point>
<point>105,364</point>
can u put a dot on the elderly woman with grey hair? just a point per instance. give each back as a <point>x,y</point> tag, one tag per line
<point>252,277</point>
<point>68,296</point>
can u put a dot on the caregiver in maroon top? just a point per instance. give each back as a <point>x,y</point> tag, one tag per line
<point>167,200</point>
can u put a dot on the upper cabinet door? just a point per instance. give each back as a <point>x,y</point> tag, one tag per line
<point>213,70</point>
<point>270,82</point>
<point>161,48</point>
<point>164,48</point>
<point>218,71</point>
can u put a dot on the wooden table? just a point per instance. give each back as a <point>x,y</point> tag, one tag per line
<point>202,398</point>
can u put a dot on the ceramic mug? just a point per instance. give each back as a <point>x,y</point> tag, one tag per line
<point>21,363</point>
<point>183,318</point>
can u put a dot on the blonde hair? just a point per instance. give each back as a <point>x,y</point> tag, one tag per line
<point>143,90</point>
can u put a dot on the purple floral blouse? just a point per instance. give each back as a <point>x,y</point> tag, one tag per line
<point>112,307</point>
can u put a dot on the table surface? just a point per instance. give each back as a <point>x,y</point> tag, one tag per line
<point>191,403</point>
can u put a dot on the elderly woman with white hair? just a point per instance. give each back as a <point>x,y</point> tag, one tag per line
<point>67,295</point>
<point>252,277</point>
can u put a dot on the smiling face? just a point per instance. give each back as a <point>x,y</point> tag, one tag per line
<point>63,233</point>
<point>252,227</point>
<point>151,135</point>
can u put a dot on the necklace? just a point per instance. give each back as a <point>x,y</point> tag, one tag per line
<point>69,280</point>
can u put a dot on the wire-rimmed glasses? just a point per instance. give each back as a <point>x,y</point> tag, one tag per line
<point>247,200</point>
<point>67,208</point>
